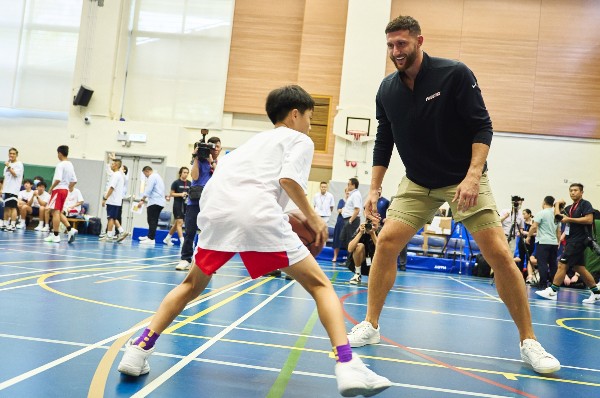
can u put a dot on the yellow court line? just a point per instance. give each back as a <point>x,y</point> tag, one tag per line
<point>114,279</point>
<point>98,383</point>
<point>20,262</point>
<point>21,279</point>
<point>561,323</point>
<point>214,307</point>
<point>507,375</point>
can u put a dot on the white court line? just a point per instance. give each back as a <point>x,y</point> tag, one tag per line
<point>474,288</point>
<point>149,388</point>
<point>59,361</point>
<point>76,267</point>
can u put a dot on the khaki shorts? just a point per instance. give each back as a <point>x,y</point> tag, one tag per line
<point>416,205</point>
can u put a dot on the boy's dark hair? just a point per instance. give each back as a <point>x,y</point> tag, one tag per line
<point>285,99</point>
<point>27,180</point>
<point>322,182</point>
<point>354,182</point>
<point>63,150</point>
<point>577,184</point>
<point>181,170</point>
<point>125,169</point>
<point>214,140</point>
<point>549,200</point>
<point>147,168</point>
<point>404,22</point>
<point>42,183</point>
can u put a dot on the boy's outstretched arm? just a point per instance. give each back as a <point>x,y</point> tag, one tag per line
<point>296,194</point>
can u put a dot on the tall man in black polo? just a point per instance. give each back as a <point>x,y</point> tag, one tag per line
<point>433,111</point>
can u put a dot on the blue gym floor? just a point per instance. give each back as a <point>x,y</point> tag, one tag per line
<point>67,310</point>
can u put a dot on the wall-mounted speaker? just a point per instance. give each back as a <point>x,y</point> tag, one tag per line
<point>83,97</point>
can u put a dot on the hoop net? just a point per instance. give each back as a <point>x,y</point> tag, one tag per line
<point>357,134</point>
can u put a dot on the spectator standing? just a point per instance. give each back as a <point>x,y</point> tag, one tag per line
<point>323,202</point>
<point>13,177</point>
<point>351,212</point>
<point>154,194</point>
<point>113,200</point>
<point>339,225</point>
<point>179,192</point>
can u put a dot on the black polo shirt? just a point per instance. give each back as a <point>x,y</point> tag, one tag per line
<point>433,126</point>
<point>579,232</point>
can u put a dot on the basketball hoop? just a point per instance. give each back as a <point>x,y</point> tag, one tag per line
<point>357,134</point>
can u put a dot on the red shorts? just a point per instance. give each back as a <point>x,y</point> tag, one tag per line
<point>257,263</point>
<point>57,199</point>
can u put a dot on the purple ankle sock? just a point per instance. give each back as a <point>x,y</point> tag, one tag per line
<point>147,339</point>
<point>343,353</point>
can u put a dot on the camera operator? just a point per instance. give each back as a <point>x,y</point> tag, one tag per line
<point>579,216</point>
<point>513,222</point>
<point>361,249</point>
<point>204,163</point>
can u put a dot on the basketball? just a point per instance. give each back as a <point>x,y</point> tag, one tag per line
<point>307,236</point>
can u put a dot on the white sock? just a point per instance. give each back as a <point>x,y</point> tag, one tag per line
<point>111,233</point>
<point>121,230</point>
<point>168,237</point>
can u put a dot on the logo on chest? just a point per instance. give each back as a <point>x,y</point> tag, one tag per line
<point>433,96</point>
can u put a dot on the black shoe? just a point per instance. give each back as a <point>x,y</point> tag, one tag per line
<point>402,268</point>
<point>276,273</point>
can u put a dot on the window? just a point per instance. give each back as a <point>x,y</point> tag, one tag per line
<point>177,63</point>
<point>38,43</point>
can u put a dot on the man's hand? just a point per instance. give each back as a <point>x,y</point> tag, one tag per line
<point>466,193</point>
<point>371,206</point>
<point>361,228</point>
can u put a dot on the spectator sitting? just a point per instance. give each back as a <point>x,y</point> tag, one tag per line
<point>23,198</point>
<point>73,203</point>
<point>38,203</point>
<point>361,249</point>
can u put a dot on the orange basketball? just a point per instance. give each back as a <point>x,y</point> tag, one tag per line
<point>307,236</point>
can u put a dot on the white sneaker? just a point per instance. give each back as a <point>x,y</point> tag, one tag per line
<point>135,360</point>
<point>354,378</point>
<point>52,238</point>
<point>534,354</point>
<point>147,242</point>
<point>547,293</point>
<point>21,225</point>
<point>362,334</point>
<point>122,236</point>
<point>71,235</point>
<point>183,265</point>
<point>594,298</point>
<point>355,280</point>
<point>45,229</point>
<point>141,238</point>
<point>167,241</point>
<point>39,227</point>
<point>10,228</point>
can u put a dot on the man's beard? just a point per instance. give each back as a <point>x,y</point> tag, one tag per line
<point>408,62</point>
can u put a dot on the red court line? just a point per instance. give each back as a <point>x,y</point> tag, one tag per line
<point>431,359</point>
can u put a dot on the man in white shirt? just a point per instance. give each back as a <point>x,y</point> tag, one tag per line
<point>323,202</point>
<point>73,203</point>
<point>350,213</point>
<point>13,176</point>
<point>513,222</point>
<point>23,199</point>
<point>64,179</point>
<point>155,195</point>
<point>113,200</point>
<point>242,210</point>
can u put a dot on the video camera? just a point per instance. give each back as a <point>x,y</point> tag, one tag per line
<point>516,200</point>
<point>202,148</point>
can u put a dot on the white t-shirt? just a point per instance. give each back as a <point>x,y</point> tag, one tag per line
<point>354,201</point>
<point>25,196</point>
<point>241,207</point>
<point>45,197</point>
<point>508,222</point>
<point>65,173</point>
<point>117,180</point>
<point>73,197</point>
<point>12,184</point>
<point>323,203</point>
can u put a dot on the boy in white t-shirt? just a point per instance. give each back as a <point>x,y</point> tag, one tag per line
<point>113,200</point>
<point>38,203</point>
<point>267,171</point>
<point>64,179</point>
<point>23,199</point>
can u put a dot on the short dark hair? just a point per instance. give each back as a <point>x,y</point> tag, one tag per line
<point>354,182</point>
<point>181,170</point>
<point>214,140</point>
<point>42,183</point>
<point>125,169</point>
<point>577,184</point>
<point>13,149</point>
<point>281,101</point>
<point>63,150</point>
<point>147,168</point>
<point>27,180</point>
<point>549,200</point>
<point>528,211</point>
<point>322,182</point>
<point>404,22</point>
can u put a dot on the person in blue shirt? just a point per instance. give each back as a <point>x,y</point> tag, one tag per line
<point>154,195</point>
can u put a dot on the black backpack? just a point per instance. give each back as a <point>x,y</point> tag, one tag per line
<point>482,268</point>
